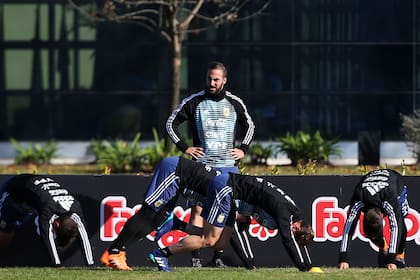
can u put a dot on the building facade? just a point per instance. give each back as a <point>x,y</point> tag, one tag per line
<point>338,66</point>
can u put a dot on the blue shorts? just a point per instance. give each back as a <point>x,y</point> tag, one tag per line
<point>196,199</point>
<point>164,187</point>
<point>218,210</point>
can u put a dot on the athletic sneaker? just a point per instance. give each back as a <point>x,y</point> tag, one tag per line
<point>165,226</point>
<point>196,262</point>
<point>117,261</point>
<point>157,257</point>
<point>218,263</point>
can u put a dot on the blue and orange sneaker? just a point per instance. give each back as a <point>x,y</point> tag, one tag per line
<point>158,258</point>
<point>117,261</point>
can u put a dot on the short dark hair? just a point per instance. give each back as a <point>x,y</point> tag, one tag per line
<point>217,65</point>
<point>66,232</point>
<point>373,224</point>
<point>304,235</point>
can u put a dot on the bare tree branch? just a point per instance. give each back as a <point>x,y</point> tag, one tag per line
<point>172,19</point>
<point>180,12</point>
<point>192,14</point>
<point>257,12</point>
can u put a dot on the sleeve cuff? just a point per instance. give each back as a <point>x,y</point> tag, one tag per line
<point>181,146</point>
<point>391,258</point>
<point>244,148</point>
<point>343,257</point>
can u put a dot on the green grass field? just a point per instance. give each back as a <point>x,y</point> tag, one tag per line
<point>204,274</point>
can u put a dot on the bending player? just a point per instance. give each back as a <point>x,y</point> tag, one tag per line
<point>379,193</point>
<point>218,214</point>
<point>60,221</point>
<point>170,178</point>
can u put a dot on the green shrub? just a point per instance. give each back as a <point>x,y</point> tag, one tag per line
<point>304,147</point>
<point>258,154</point>
<point>119,156</point>
<point>34,153</point>
<point>411,132</point>
<point>122,157</point>
<point>156,152</point>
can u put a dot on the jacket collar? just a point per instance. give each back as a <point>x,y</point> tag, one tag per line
<point>216,97</point>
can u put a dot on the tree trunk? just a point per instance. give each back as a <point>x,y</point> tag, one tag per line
<point>176,71</point>
<point>176,49</point>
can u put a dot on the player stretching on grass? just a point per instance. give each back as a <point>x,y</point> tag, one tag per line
<point>219,214</point>
<point>379,193</point>
<point>60,220</point>
<point>170,178</point>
